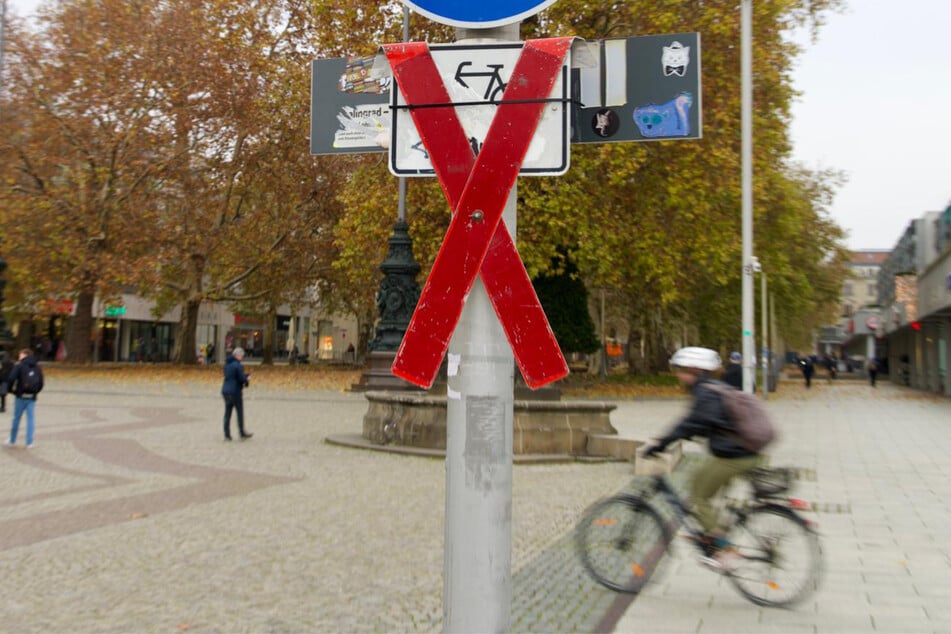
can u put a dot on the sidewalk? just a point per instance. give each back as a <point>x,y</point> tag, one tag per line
<point>882,461</point>
<point>132,515</point>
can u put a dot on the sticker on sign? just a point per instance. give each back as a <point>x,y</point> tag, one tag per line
<point>475,76</point>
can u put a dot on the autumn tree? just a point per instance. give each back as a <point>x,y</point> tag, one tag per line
<point>179,163</point>
<point>657,225</point>
<point>80,130</point>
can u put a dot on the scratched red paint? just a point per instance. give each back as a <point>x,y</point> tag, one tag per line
<point>477,189</point>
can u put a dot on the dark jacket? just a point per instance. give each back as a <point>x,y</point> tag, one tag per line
<point>19,371</point>
<point>235,378</point>
<point>6,367</point>
<point>707,419</point>
<point>733,375</point>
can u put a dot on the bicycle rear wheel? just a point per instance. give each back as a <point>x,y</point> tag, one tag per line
<point>620,541</point>
<point>779,560</point>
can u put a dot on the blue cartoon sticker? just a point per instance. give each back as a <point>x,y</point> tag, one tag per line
<point>670,119</point>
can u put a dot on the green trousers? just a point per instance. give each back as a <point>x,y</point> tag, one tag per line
<point>710,478</point>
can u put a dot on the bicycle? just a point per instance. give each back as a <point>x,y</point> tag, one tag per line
<point>775,557</point>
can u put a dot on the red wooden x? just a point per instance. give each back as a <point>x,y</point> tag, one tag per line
<point>477,189</point>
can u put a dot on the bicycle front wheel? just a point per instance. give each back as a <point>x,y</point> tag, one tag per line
<point>620,541</point>
<point>778,559</point>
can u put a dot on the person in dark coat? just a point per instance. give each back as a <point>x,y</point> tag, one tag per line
<point>808,369</point>
<point>733,374</point>
<point>872,371</point>
<point>6,367</point>
<point>232,390</point>
<point>26,381</point>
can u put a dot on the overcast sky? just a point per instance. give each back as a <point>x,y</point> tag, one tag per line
<point>876,91</point>
<point>876,94</point>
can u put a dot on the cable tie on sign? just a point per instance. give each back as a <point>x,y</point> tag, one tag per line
<point>479,103</point>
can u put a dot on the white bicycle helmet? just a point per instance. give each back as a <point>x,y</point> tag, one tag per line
<point>698,358</point>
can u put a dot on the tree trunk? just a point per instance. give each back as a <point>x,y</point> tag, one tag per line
<point>79,330</point>
<point>269,325</point>
<point>364,333</point>
<point>24,338</point>
<point>184,351</point>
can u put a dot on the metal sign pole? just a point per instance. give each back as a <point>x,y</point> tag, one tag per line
<point>477,576</point>
<point>746,107</point>
<point>764,336</point>
<point>477,592</point>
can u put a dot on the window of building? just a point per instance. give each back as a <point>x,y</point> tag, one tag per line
<point>847,290</point>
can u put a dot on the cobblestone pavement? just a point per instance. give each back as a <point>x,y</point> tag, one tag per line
<point>132,515</point>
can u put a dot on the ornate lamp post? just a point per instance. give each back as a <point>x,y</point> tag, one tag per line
<point>398,292</point>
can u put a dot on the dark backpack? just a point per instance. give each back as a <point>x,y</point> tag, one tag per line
<point>29,379</point>
<point>754,429</point>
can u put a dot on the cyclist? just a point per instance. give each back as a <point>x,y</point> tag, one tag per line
<point>707,418</point>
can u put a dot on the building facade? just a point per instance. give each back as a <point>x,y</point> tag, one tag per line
<point>915,285</point>
<point>128,329</point>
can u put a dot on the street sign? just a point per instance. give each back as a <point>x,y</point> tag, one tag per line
<point>475,77</point>
<point>477,14</point>
<point>477,188</point>
<point>349,108</point>
<point>645,88</point>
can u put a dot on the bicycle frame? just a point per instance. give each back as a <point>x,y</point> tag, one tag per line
<point>685,518</point>
<point>661,487</point>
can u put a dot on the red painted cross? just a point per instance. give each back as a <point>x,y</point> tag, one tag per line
<point>477,189</point>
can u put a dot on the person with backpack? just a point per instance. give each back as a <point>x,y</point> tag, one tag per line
<point>735,448</point>
<point>26,381</point>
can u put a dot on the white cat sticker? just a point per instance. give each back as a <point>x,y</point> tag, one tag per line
<point>675,59</point>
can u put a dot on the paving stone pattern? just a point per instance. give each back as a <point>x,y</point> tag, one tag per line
<point>132,515</point>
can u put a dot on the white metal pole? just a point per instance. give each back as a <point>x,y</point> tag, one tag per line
<point>764,331</point>
<point>746,107</point>
<point>477,591</point>
<point>480,400</point>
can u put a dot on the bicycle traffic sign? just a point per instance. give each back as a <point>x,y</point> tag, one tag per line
<point>481,14</point>
<point>477,188</point>
<point>644,88</point>
<point>475,76</point>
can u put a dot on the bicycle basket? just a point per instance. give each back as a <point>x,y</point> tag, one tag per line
<point>770,481</point>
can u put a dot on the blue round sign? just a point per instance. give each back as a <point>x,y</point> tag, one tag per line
<point>477,14</point>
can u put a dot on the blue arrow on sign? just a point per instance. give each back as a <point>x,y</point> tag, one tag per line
<point>477,14</point>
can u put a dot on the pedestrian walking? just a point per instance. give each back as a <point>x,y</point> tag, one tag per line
<point>26,381</point>
<point>831,366</point>
<point>6,367</point>
<point>733,374</point>
<point>808,368</point>
<point>232,390</point>
<point>872,371</point>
